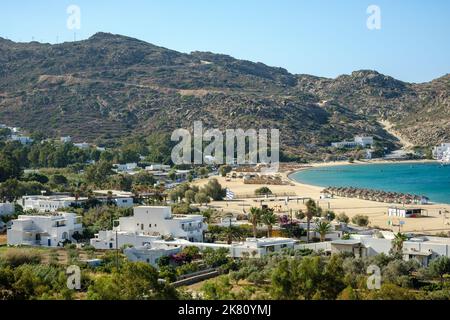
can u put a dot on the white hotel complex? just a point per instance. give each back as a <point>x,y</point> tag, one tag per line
<point>358,141</point>
<point>154,232</point>
<point>149,224</point>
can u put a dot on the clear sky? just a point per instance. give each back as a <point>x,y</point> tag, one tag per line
<point>319,37</point>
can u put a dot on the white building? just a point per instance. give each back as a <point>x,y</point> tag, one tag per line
<point>21,139</point>
<point>149,224</point>
<point>422,249</point>
<point>82,145</point>
<point>344,144</point>
<point>122,199</point>
<point>127,167</point>
<point>149,254</point>
<point>49,203</point>
<point>404,212</point>
<point>439,151</point>
<point>112,239</point>
<point>6,209</point>
<point>365,142</point>
<point>66,139</point>
<point>158,167</point>
<point>53,203</point>
<point>227,221</point>
<point>251,247</point>
<point>45,230</point>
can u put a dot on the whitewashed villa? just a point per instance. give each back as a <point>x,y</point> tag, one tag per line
<point>44,230</point>
<point>148,224</point>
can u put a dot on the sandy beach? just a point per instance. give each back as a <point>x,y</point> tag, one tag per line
<point>431,223</point>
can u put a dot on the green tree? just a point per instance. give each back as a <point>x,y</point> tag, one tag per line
<point>269,218</point>
<point>201,198</point>
<point>343,218</point>
<point>263,191</point>
<point>223,170</point>
<point>214,190</point>
<point>215,258</point>
<point>9,167</point>
<point>311,211</point>
<point>58,179</point>
<point>329,215</point>
<point>189,195</point>
<point>231,233</point>
<point>397,244</point>
<point>360,220</point>
<point>98,173</point>
<point>144,178</point>
<point>254,216</point>
<point>172,175</point>
<point>440,267</point>
<point>134,281</point>
<point>322,228</point>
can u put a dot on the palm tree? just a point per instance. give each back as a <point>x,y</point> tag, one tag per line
<point>254,217</point>
<point>269,219</point>
<point>232,232</point>
<point>311,211</point>
<point>322,228</point>
<point>213,233</point>
<point>397,243</point>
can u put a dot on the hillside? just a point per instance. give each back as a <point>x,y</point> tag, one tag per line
<point>112,86</point>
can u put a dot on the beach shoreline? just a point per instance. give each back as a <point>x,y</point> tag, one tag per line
<point>288,175</point>
<point>434,221</point>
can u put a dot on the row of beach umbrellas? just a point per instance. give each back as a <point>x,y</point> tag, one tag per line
<point>376,195</point>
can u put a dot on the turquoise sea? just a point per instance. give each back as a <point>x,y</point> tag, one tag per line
<point>428,179</point>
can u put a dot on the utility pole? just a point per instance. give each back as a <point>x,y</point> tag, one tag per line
<point>117,252</point>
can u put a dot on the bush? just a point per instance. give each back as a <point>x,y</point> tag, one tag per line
<point>342,217</point>
<point>17,257</point>
<point>187,269</point>
<point>360,220</point>
<point>183,208</point>
<point>300,215</point>
<point>263,191</point>
<point>201,198</point>
<point>223,170</point>
<point>214,190</point>
<point>329,215</point>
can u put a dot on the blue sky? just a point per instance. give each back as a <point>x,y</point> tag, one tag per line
<point>319,37</point>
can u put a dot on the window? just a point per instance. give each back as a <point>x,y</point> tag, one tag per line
<point>142,226</point>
